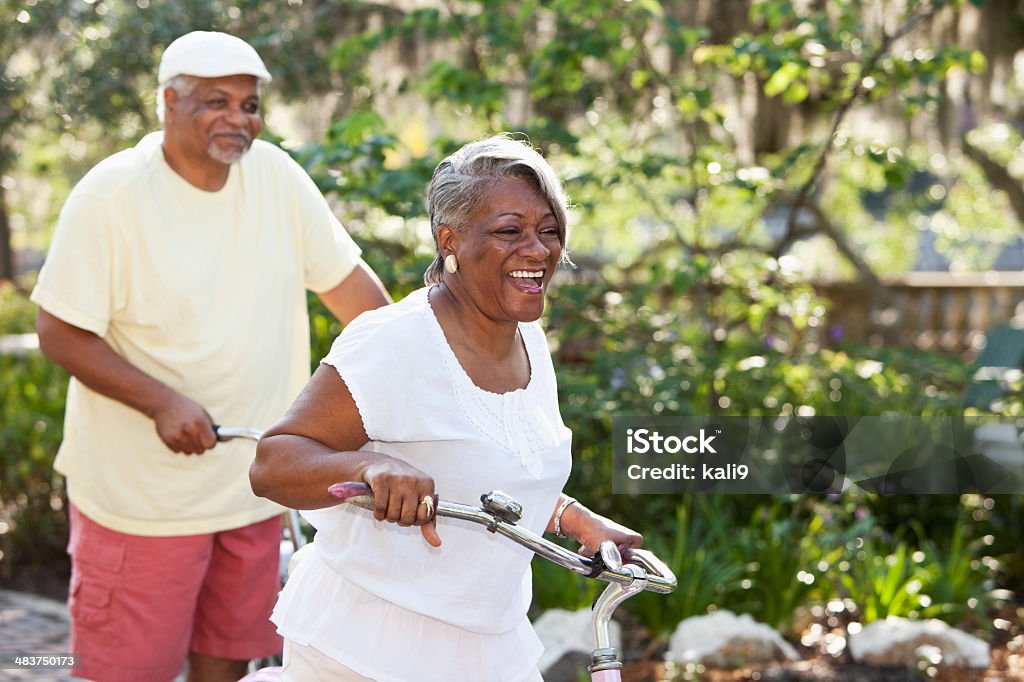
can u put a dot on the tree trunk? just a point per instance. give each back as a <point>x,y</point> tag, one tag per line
<point>6,252</point>
<point>999,177</point>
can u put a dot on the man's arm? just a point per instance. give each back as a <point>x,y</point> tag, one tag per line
<point>361,290</point>
<point>182,424</point>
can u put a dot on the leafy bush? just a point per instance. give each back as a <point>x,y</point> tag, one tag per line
<point>33,521</point>
<point>888,576</point>
<point>700,554</point>
<point>884,583</point>
<point>752,344</point>
<point>776,583</point>
<point>650,346</point>
<point>555,587</point>
<point>19,313</point>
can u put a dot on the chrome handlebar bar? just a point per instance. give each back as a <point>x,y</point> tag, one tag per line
<point>499,514</point>
<point>231,432</point>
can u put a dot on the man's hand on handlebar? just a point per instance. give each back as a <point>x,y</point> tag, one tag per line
<point>183,425</point>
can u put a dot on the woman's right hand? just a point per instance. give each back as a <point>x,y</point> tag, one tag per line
<point>400,494</point>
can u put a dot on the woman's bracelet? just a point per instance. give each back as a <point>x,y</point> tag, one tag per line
<point>558,515</point>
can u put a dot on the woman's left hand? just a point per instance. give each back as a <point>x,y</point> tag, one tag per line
<point>590,530</point>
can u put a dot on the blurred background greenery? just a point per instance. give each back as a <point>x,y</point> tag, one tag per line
<point>756,183</point>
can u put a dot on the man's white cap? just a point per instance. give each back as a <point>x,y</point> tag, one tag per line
<point>209,54</point>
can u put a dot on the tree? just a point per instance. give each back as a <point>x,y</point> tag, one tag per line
<point>32,40</point>
<point>747,98</point>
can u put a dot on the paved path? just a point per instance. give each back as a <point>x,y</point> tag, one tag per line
<point>32,624</point>
<point>37,625</point>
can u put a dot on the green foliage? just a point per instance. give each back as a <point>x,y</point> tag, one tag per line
<point>1001,520</point>
<point>886,583</point>
<point>692,298</point>
<point>555,587</point>
<point>736,346</point>
<point>616,355</point>
<point>961,578</point>
<point>33,522</point>
<point>111,50</point>
<point>773,557</point>
<point>775,583</point>
<point>356,161</point>
<point>890,576</point>
<point>446,81</point>
<point>399,267</point>
<point>699,550</point>
<point>19,314</point>
<point>27,27</point>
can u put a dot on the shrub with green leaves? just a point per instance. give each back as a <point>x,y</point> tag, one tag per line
<point>18,313</point>
<point>886,575</point>
<point>33,521</point>
<point>699,552</point>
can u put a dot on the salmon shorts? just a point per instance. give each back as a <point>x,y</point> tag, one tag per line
<point>139,605</point>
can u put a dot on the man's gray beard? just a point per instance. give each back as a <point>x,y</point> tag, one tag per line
<point>225,157</point>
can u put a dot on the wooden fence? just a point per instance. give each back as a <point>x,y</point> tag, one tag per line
<point>935,311</point>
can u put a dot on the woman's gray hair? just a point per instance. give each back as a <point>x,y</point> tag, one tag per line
<point>459,180</point>
<point>183,85</point>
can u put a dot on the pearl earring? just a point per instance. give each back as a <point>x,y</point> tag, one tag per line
<point>451,263</point>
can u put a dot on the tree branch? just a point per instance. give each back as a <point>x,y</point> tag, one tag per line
<point>856,94</point>
<point>998,177</point>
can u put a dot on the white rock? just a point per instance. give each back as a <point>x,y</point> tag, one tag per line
<point>563,632</point>
<point>899,641</point>
<point>724,640</point>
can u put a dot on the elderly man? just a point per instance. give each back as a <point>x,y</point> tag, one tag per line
<point>174,294</point>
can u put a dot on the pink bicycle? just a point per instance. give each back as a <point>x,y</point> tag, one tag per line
<point>499,513</point>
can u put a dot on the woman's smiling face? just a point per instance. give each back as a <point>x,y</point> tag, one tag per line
<point>508,251</point>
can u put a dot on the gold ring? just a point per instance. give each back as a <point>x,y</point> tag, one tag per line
<point>428,500</point>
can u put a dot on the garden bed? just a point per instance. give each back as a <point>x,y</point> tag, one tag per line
<point>644,663</point>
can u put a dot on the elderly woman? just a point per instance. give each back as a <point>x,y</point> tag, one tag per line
<point>451,389</point>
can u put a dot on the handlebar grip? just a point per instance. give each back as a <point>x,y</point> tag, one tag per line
<point>654,566</point>
<point>358,493</point>
<point>353,492</point>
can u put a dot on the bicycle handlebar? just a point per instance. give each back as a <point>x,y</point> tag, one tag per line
<point>231,432</point>
<point>499,514</point>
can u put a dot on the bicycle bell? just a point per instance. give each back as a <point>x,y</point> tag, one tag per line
<point>505,507</point>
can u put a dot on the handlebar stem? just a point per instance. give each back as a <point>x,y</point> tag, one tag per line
<point>610,599</point>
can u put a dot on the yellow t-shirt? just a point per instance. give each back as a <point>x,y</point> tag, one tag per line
<point>206,291</point>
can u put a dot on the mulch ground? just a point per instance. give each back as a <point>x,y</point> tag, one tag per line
<point>1004,667</point>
